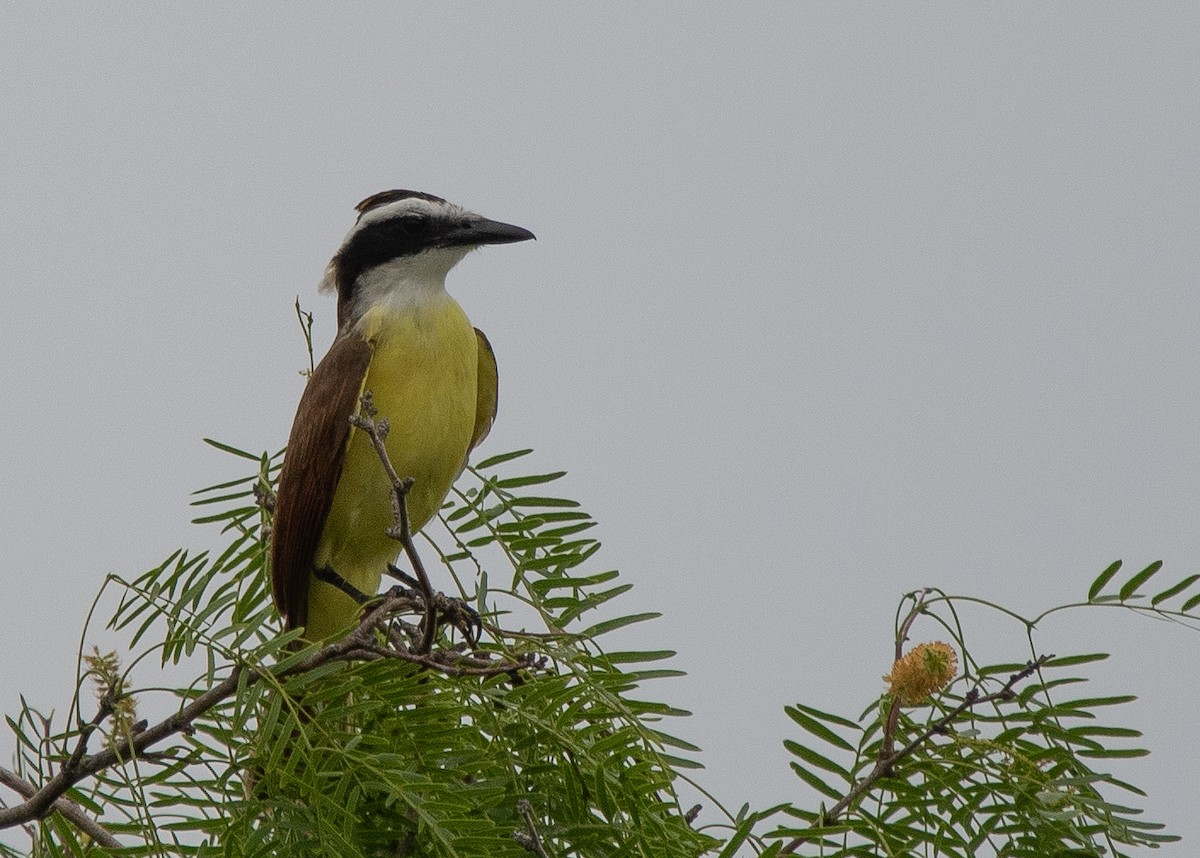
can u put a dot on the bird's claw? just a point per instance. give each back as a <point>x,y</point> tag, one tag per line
<point>461,616</point>
<point>456,612</point>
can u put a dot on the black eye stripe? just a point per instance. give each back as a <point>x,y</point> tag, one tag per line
<point>382,241</point>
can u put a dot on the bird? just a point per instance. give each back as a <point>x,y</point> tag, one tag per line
<point>432,375</point>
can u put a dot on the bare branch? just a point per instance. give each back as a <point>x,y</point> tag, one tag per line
<point>401,529</point>
<point>69,809</point>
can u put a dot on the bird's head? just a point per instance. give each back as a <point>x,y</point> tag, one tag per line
<point>406,240</point>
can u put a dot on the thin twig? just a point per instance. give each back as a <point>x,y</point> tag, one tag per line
<point>86,729</point>
<point>401,529</point>
<point>892,722</point>
<point>458,666</point>
<point>73,812</point>
<point>529,838</point>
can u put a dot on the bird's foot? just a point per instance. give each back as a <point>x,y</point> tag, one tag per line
<point>460,616</point>
<point>455,612</point>
<point>326,574</point>
<point>403,577</point>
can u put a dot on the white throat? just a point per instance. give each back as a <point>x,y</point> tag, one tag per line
<point>406,283</point>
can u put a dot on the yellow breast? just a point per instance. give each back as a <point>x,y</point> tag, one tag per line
<point>423,379</point>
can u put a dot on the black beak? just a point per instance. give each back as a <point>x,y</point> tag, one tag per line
<point>479,230</point>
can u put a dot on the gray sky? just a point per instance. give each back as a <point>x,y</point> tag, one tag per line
<point>828,303</point>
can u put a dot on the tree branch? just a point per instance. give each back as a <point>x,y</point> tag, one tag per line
<point>69,809</point>
<point>359,644</point>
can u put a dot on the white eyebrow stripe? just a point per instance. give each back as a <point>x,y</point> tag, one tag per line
<point>406,206</point>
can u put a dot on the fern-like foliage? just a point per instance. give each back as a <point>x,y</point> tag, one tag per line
<point>1007,761</point>
<point>381,757</point>
<point>271,749</point>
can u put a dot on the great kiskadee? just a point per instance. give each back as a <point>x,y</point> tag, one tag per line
<point>430,373</point>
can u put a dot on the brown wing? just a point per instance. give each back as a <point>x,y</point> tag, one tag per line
<point>311,468</point>
<point>489,390</point>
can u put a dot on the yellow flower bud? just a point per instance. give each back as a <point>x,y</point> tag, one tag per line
<point>924,669</point>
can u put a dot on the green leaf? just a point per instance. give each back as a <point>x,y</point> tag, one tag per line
<point>814,759</point>
<point>531,480</point>
<point>661,673</point>
<point>544,502</point>
<point>501,459</point>
<point>240,481</point>
<point>1092,702</point>
<point>220,498</point>
<point>225,448</point>
<point>568,530</point>
<point>1175,589</point>
<point>1114,732</point>
<point>593,601</point>
<point>1131,586</point>
<point>545,585</point>
<point>639,657</point>
<point>828,717</point>
<point>739,836</point>
<point>670,741</point>
<point>816,728</point>
<point>1114,753</point>
<point>619,623</point>
<point>816,782</point>
<point>227,514</point>
<point>1008,668</point>
<point>1102,579</point>
<point>1069,660</point>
